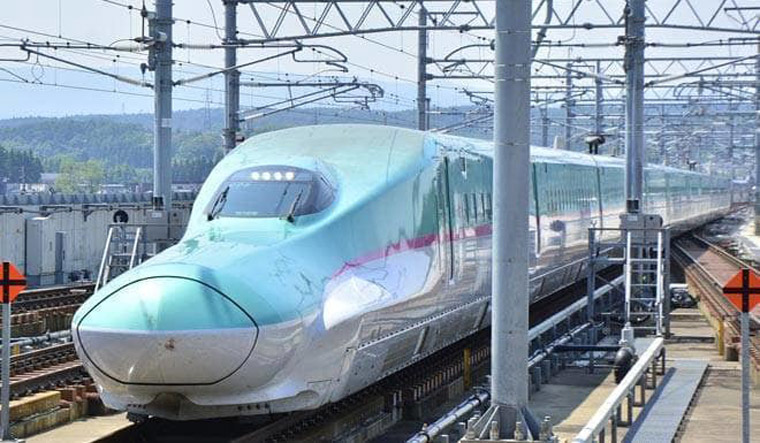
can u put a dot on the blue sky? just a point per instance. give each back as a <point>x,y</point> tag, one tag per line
<point>387,59</point>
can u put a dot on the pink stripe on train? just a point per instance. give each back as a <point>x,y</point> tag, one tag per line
<point>415,243</point>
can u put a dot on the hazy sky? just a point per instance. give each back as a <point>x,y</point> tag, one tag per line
<point>387,58</point>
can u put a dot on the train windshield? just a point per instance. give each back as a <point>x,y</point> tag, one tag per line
<point>274,191</point>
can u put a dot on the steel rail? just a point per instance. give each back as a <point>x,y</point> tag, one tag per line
<point>47,378</point>
<point>55,296</point>
<point>709,285</point>
<point>44,368</point>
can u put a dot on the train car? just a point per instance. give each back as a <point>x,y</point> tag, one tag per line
<point>318,260</point>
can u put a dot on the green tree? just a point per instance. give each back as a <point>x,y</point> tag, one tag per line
<point>19,166</point>
<point>76,176</point>
<point>3,164</point>
<point>93,174</point>
<point>67,181</point>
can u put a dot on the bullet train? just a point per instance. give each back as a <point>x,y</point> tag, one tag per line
<point>320,259</point>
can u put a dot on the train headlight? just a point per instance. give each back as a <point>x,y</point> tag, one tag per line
<point>277,175</point>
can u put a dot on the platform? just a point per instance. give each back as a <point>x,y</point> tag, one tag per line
<point>662,417</point>
<point>713,414</point>
<point>83,431</point>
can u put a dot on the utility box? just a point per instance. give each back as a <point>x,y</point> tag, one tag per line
<point>156,226</point>
<point>643,227</point>
<point>45,252</point>
<point>12,234</point>
<point>164,228</point>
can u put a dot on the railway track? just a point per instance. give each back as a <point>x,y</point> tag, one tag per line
<point>55,365</point>
<point>52,297</point>
<point>38,311</point>
<point>707,268</point>
<point>44,369</point>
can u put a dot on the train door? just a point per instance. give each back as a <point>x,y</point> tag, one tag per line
<point>534,223</point>
<point>598,195</point>
<point>445,215</point>
<point>460,214</point>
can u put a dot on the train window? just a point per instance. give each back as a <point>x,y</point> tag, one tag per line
<point>272,191</point>
<point>553,201</point>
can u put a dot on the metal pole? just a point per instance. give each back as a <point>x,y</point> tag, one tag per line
<point>599,97</point>
<point>661,138</point>
<point>731,123</point>
<point>745,355</point>
<point>544,126</point>
<point>162,140</point>
<point>568,105</point>
<point>666,245</point>
<point>422,122</point>
<point>745,377</point>
<point>5,412</point>
<point>591,289</point>
<point>757,143</point>
<point>634,115</point>
<point>509,330</point>
<point>231,78</point>
<point>6,365</point>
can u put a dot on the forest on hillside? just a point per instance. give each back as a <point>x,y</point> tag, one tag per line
<point>19,166</point>
<point>89,150</point>
<point>111,151</point>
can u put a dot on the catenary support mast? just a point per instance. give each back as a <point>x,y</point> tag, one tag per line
<point>231,77</point>
<point>757,143</point>
<point>634,112</point>
<point>569,104</point>
<point>509,331</point>
<point>598,102</point>
<point>422,105</point>
<point>162,140</point>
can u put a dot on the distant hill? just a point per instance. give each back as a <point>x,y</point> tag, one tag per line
<point>127,139</point>
<point>99,138</point>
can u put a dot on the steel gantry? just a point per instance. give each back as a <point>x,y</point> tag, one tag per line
<point>665,75</point>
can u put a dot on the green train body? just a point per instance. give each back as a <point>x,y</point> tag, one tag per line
<point>320,259</point>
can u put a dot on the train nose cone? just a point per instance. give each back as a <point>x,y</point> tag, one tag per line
<point>166,331</point>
